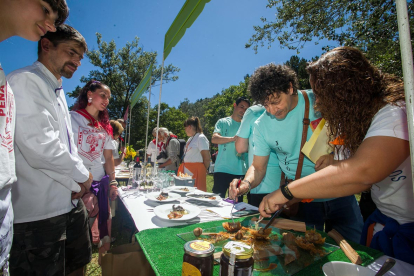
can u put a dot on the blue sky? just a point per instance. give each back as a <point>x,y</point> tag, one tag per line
<point>211,55</point>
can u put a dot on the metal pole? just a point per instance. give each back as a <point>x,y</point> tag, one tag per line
<point>146,135</point>
<point>408,74</point>
<point>129,137</point>
<point>159,105</point>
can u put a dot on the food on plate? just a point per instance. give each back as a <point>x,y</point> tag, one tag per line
<point>306,245</point>
<point>239,235</point>
<point>184,189</point>
<point>180,174</point>
<point>177,212</point>
<point>261,234</point>
<point>289,238</point>
<point>197,232</point>
<point>162,196</point>
<point>232,227</point>
<point>314,237</point>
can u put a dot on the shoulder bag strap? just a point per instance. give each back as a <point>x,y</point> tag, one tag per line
<point>306,123</point>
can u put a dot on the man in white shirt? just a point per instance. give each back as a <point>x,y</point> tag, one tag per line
<point>51,235</point>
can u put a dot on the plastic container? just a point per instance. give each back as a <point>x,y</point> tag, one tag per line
<point>184,182</point>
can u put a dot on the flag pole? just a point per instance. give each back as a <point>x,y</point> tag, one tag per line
<point>146,135</point>
<point>129,121</point>
<point>159,105</point>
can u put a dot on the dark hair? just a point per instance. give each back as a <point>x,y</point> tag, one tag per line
<point>272,78</point>
<point>117,128</point>
<point>61,8</point>
<point>82,102</point>
<point>349,92</point>
<point>63,33</point>
<point>195,122</point>
<point>244,99</point>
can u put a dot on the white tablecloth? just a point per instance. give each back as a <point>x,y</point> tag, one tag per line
<point>142,210</point>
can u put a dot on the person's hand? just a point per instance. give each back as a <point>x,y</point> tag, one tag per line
<point>273,202</point>
<point>123,150</point>
<point>235,192</point>
<point>324,161</point>
<point>87,184</point>
<point>79,194</point>
<point>113,192</point>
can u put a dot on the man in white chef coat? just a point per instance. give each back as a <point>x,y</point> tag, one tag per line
<point>51,234</point>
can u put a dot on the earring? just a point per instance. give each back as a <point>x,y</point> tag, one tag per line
<point>89,101</point>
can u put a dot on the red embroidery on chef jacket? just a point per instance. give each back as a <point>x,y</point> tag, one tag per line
<point>91,142</point>
<point>6,117</point>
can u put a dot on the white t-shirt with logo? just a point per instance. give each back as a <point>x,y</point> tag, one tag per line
<point>7,165</point>
<point>91,143</point>
<point>394,195</point>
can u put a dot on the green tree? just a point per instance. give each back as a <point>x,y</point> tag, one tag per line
<point>370,25</point>
<point>122,70</point>
<point>299,66</point>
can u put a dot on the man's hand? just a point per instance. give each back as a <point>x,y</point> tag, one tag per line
<point>324,161</point>
<point>87,184</point>
<point>79,194</point>
<point>113,192</point>
<point>273,202</point>
<point>235,192</point>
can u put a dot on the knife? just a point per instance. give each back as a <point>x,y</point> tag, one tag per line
<point>275,215</point>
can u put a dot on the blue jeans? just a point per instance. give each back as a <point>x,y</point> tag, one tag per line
<point>341,214</point>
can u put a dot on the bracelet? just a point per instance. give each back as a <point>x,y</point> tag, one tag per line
<point>250,187</point>
<point>113,183</point>
<point>286,192</point>
<point>112,173</point>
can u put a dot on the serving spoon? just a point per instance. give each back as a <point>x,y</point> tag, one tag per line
<point>388,264</point>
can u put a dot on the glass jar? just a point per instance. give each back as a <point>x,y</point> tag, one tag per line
<point>237,259</point>
<point>198,258</point>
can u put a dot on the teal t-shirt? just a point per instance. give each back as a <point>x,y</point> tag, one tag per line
<point>271,180</point>
<point>284,137</point>
<point>228,161</point>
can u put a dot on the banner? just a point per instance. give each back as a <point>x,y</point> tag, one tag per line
<point>185,18</point>
<point>142,86</point>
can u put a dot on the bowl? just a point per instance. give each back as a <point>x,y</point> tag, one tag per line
<point>346,269</point>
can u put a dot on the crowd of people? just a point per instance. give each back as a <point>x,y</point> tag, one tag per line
<point>57,168</point>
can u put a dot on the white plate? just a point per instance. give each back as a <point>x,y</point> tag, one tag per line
<point>162,211</point>
<point>189,195</point>
<point>178,189</point>
<point>171,197</point>
<point>343,269</point>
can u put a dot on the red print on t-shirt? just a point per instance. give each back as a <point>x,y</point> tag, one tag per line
<point>91,143</point>
<point>6,117</point>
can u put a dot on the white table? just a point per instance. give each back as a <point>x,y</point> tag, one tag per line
<point>141,210</point>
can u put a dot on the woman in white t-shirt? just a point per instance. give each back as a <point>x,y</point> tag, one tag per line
<point>93,134</point>
<point>153,151</point>
<point>365,110</point>
<point>196,157</point>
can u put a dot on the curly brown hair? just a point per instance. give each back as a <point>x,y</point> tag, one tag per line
<point>117,128</point>
<point>270,79</point>
<point>349,91</point>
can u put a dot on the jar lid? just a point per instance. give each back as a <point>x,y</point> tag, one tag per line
<point>240,249</point>
<point>199,248</point>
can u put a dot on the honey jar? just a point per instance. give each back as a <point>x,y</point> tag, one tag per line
<point>237,259</point>
<point>198,258</point>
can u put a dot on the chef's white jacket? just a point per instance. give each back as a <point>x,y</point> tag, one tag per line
<point>47,162</point>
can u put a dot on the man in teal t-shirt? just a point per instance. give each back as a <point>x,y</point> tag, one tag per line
<point>229,164</point>
<point>279,129</point>
<point>244,142</point>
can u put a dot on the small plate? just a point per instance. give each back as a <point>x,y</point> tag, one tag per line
<point>162,212</point>
<point>180,189</point>
<point>171,197</point>
<point>343,269</point>
<point>194,196</point>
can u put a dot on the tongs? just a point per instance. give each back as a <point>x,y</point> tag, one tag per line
<point>275,215</point>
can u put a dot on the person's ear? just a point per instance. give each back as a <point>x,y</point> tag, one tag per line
<point>46,45</point>
<point>234,105</point>
<point>290,88</point>
<point>89,94</point>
